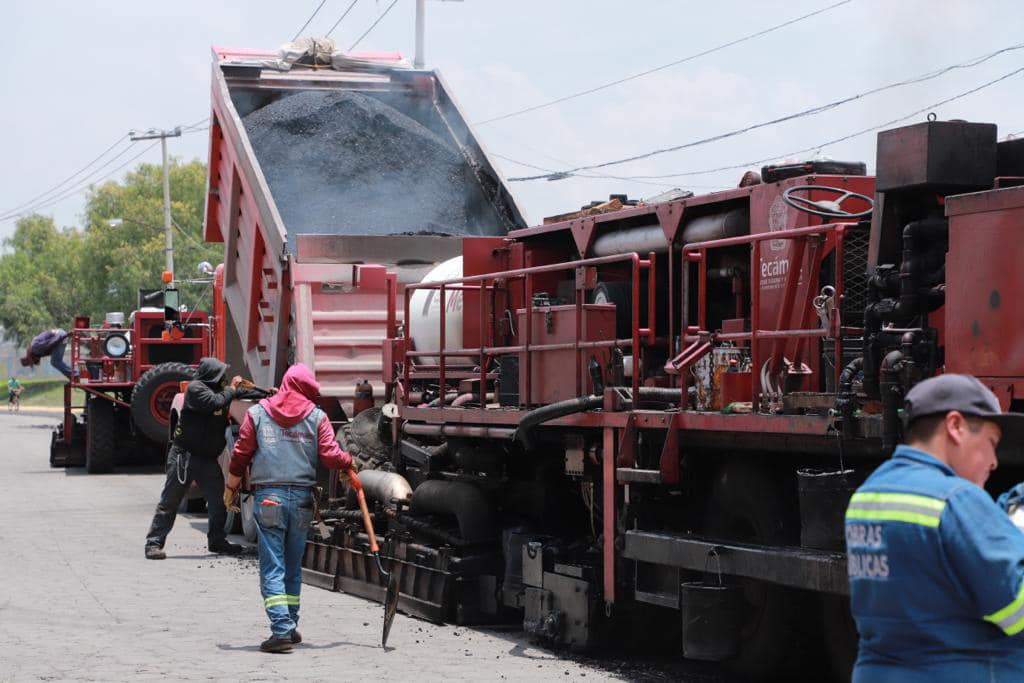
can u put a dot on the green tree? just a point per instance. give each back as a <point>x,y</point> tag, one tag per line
<point>49,275</point>
<point>39,287</point>
<point>125,257</point>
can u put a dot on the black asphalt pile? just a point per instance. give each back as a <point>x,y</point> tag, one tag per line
<point>345,163</point>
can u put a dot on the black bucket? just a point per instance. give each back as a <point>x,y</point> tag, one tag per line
<point>824,495</point>
<point>712,616</point>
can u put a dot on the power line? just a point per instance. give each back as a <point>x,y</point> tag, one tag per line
<point>44,198</point>
<point>834,141</point>
<point>341,18</point>
<point>68,179</point>
<point>75,190</point>
<point>603,176</point>
<point>311,17</point>
<point>677,62</point>
<point>374,24</point>
<point>559,175</point>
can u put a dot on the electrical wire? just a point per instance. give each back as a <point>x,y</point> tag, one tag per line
<point>559,175</point>
<point>44,198</point>
<point>596,176</point>
<point>844,138</point>
<point>311,17</point>
<point>373,25</point>
<point>341,18</point>
<point>677,62</point>
<point>66,180</point>
<point>78,188</point>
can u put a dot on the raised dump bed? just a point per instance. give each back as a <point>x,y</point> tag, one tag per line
<point>329,189</point>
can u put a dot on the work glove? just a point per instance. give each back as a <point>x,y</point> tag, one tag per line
<point>349,476</point>
<point>231,499</point>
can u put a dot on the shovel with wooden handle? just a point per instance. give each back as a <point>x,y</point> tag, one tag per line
<point>391,597</point>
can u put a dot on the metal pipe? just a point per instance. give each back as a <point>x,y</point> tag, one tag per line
<point>469,431</point>
<point>386,487</point>
<point>647,238</point>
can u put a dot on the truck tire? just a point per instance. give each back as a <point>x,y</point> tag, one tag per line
<point>361,438</point>
<point>248,514</point>
<point>152,396</point>
<point>620,294</point>
<point>58,449</point>
<point>748,504</point>
<point>100,436</point>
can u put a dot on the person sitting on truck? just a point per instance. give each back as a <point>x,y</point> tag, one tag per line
<point>282,437</point>
<point>198,439</point>
<point>936,568</point>
<point>50,343</point>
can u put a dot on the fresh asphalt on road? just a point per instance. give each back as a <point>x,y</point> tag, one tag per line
<point>78,600</point>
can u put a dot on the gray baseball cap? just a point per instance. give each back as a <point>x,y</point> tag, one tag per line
<point>965,394</point>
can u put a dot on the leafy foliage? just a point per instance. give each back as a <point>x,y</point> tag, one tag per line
<point>49,275</point>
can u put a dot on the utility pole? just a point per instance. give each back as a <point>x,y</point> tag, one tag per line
<point>153,134</point>
<point>420,30</point>
<point>421,21</point>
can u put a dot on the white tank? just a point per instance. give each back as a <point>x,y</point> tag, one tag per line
<point>424,326</point>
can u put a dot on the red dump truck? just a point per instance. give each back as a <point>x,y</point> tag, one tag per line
<point>330,188</point>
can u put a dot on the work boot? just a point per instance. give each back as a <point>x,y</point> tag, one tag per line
<point>225,548</point>
<point>276,644</point>
<point>155,552</point>
<point>295,636</point>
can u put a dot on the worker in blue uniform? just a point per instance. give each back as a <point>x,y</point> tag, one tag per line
<point>936,567</point>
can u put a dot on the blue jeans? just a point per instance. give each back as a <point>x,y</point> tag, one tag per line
<point>283,515</point>
<point>57,358</point>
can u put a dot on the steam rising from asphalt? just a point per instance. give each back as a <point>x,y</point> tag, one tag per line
<point>347,163</point>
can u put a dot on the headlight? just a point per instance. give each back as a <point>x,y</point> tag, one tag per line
<point>116,345</point>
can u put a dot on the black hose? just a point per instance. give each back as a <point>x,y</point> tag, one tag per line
<point>428,529</point>
<point>465,502</point>
<point>552,411</point>
<point>849,374</point>
<point>845,403</point>
<point>892,397</point>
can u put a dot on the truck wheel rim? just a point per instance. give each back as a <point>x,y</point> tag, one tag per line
<point>160,402</point>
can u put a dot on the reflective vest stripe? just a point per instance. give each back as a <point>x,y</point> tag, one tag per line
<point>893,516</point>
<point>1011,617</point>
<point>896,507</point>
<point>936,504</point>
<point>275,600</point>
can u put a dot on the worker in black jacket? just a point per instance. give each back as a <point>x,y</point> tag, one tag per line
<point>198,439</point>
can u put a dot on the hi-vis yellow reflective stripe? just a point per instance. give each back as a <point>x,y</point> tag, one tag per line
<point>896,507</point>
<point>1011,617</point>
<point>274,600</point>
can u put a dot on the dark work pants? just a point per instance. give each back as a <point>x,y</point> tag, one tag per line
<point>207,474</point>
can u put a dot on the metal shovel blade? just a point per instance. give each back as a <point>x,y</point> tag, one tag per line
<point>390,607</point>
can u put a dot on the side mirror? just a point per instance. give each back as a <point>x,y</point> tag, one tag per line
<point>171,305</point>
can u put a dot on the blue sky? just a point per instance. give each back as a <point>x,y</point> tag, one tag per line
<point>80,75</point>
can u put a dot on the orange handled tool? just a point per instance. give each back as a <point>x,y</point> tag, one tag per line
<point>391,597</point>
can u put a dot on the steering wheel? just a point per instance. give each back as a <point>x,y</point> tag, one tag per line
<point>827,208</point>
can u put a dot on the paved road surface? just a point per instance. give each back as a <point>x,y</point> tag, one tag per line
<point>78,601</point>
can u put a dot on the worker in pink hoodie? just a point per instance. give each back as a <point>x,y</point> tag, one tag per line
<point>280,441</point>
